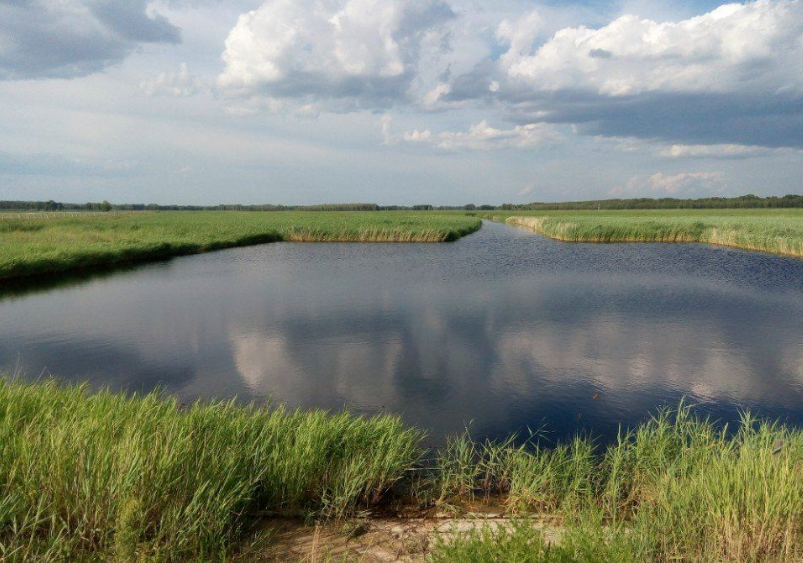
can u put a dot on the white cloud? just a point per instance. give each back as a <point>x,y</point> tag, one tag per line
<point>180,83</point>
<point>520,35</point>
<point>724,151</point>
<point>731,77</point>
<point>481,136</point>
<point>672,185</point>
<point>362,53</point>
<point>752,47</point>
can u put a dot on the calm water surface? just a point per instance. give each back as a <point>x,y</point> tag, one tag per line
<point>504,330</point>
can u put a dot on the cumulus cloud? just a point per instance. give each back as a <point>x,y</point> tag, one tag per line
<point>733,76</point>
<point>757,46</point>
<point>70,38</point>
<point>481,136</point>
<point>181,83</point>
<point>673,185</point>
<point>360,53</point>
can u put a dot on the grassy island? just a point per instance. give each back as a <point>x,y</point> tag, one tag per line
<point>778,231</point>
<point>106,477</point>
<point>44,246</point>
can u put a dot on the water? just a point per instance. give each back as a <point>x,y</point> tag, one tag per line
<point>503,330</point>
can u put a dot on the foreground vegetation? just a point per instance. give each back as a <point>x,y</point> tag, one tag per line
<point>775,231</point>
<point>102,477</point>
<point>40,246</point>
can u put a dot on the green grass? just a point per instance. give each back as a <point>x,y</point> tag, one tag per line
<point>104,477</point>
<point>778,231</point>
<point>677,488</point>
<point>525,543</point>
<point>45,246</point>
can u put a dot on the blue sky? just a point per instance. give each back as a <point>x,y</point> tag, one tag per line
<point>398,101</point>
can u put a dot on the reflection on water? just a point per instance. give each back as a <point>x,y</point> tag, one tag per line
<point>504,329</point>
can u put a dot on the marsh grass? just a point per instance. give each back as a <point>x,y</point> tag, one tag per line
<point>109,477</point>
<point>106,477</point>
<point>35,247</point>
<point>677,488</point>
<point>774,232</point>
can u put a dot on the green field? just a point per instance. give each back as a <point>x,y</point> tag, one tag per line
<point>103,477</point>
<point>778,231</point>
<point>42,246</point>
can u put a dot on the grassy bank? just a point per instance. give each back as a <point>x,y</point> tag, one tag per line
<point>43,246</point>
<point>774,231</point>
<point>677,488</point>
<point>107,478</point>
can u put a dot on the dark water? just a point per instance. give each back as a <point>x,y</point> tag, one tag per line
<point>503,328</point>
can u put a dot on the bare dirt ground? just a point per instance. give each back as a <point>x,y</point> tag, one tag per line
<point>369,540</point>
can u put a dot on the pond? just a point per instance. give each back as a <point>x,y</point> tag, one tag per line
<point>503,331</point>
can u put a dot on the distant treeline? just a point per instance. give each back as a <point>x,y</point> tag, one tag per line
<point>106,206</point>
<point>745,201</point>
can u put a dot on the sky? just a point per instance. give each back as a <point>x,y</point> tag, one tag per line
<point>445,102</point>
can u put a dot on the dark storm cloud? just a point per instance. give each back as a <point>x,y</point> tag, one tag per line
<point>46,39</point>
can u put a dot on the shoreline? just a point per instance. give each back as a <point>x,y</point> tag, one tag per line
<point>603,231</point>
<point>95,476</point>
<point>62,246</point>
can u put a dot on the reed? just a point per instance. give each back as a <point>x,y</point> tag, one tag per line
<point>114,478</point>
<point>777,232</point>
<point>677,488</point>
<point>47,246</point>
<point>107,477</point>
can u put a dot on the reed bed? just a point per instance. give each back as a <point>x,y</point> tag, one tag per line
<point>677,488</point>
<point>105,477</point>
<point>46,246</point>
<point>777,232</point>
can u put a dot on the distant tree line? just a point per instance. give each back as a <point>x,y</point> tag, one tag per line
<point>58,206</point>
<point>745,201</point>
<point>106,206</point>
<point>742,202</point>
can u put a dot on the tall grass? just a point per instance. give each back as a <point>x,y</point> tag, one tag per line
<point>779,232</point>
<point>31,247</point>
<point>677,488</point>
<point>113,478</point>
